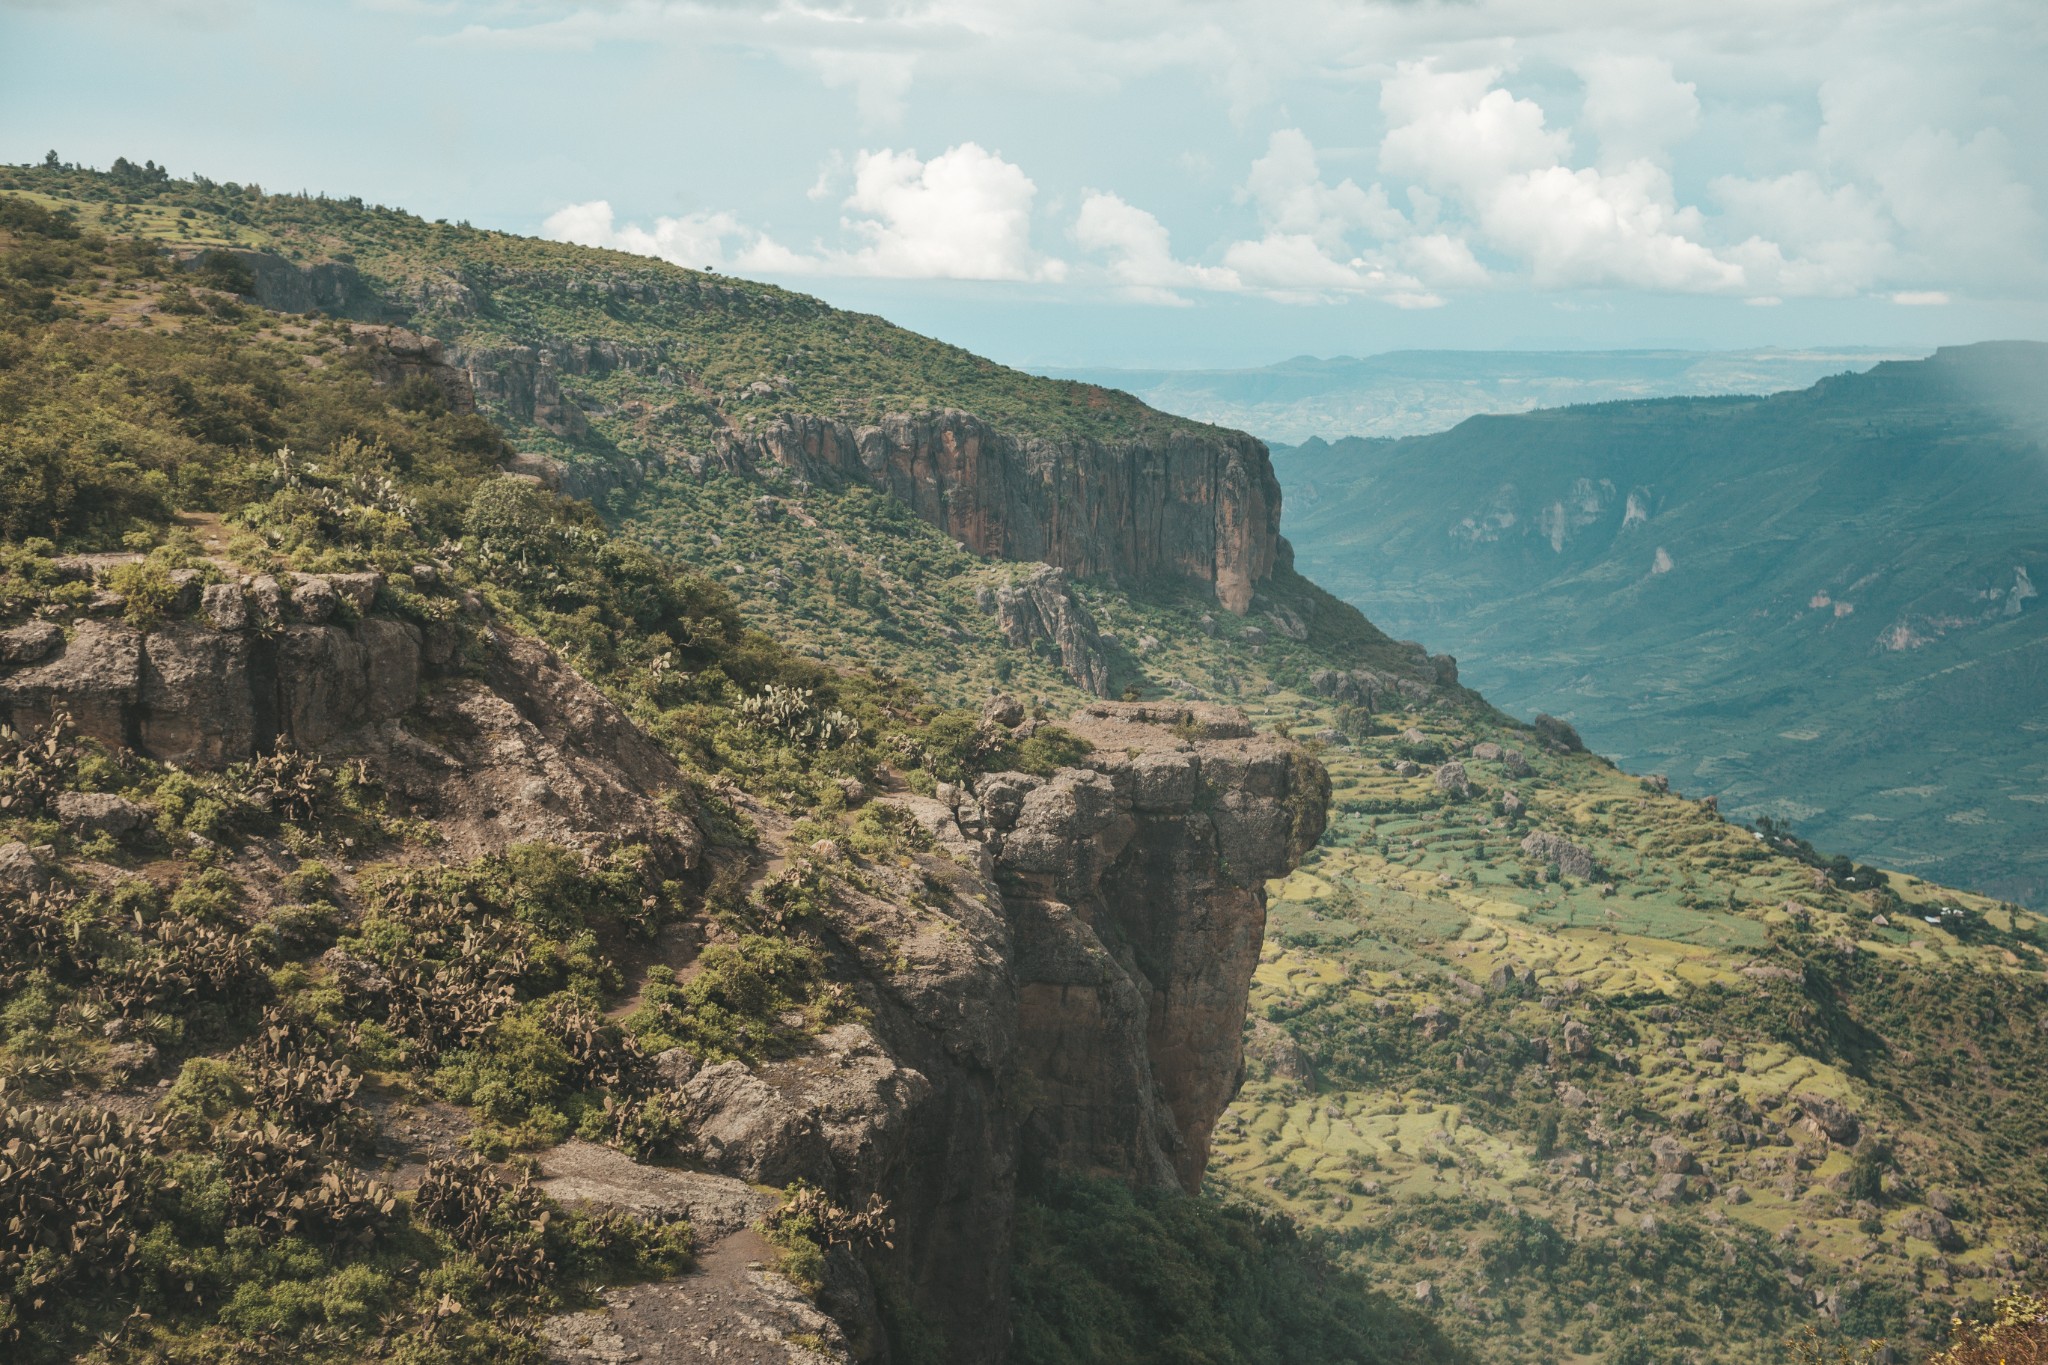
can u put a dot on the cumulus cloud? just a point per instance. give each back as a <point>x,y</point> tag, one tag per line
<point>1636,107</point>
<point>1286,184</point>
<point>701,241</point>
<point>1461,135</point>
<point>1140,252</point>
<point>1455,132</point>
<point>963,215</point>
<point>1305,253</point>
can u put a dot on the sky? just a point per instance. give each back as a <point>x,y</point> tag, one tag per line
<point>1063,183</point>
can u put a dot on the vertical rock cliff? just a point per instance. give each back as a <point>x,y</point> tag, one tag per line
<point>1191,504</point>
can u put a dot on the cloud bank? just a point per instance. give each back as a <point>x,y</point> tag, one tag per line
<point>1510,150</point>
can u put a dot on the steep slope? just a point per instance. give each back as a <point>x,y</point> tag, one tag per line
<point>1819,606</point>
<point>324,871</point>
<point>615,360</point>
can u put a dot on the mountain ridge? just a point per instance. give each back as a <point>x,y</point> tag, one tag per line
<point>1889,547</point>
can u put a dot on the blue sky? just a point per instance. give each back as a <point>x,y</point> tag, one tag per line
<point>1055,182</point>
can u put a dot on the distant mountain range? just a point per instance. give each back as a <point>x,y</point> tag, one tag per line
<point>1822,605</point>
<point>1408,393</point>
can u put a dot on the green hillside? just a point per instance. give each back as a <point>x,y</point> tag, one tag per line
<point>702,352</point>
<point>1819,606</point>
<point>1651,1087</point>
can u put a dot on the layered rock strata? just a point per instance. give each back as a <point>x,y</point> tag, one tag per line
<point>1185,503</point>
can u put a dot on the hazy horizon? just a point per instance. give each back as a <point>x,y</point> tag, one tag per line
<point>1149,185</point>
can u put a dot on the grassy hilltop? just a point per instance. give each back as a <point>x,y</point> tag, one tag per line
<point>1658,1087</point>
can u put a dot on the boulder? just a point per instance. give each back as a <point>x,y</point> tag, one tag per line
<point>225,606</point>
<point>1930,1225</point>
<point>1578,1039</point>
<point>1486,752</point>
<point>90,813</point>
<point>1670,1155</point>
<point>26,644</point>
<point>1451,779</point>
<point>96,677</point>
<point>314,600</point>
<point>265,599</point>
<point>1671,1188</point>
<point>1003,710</point>
<point>1573,860</point>
<point>357,590</point>
<point>1829,1118</point>
<point>1511,805</point>
<point>198,705</point>
<point>22,873</point>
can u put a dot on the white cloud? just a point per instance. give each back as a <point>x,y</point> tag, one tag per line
<point>1454,133</point>
<point>1920,298</point>
<point>1287,186</point>
<point>963,215</point>
<point>697,240</point>
<point>1636,107</point>
<point>1459,134</point>
<point>1910,184</point>
<point>1803,237</point>
<point>1140,252</point>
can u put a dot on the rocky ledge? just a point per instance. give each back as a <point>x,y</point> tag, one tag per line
<point>1053,980</point>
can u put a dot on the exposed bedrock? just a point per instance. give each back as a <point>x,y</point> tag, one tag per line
<point>1058,984</point>
<point>1182,503</point>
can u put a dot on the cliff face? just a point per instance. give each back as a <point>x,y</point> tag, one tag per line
<point>1055,982</point>
<point>1196,505</point>
<point>1200,504</point>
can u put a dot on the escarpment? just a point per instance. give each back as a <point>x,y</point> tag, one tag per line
<point>1166,501</point>
<point>1182,504</point>
<point>1053,980</point>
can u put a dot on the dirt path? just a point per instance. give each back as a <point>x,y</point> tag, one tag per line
<point>730,1309</point>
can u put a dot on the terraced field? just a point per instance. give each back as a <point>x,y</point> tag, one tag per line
<point>1503,1087</point>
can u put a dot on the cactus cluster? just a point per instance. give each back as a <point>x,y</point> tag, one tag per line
<point>295,1078</point>
<point>72,1183</point>
<point>502,1223</point>
<point>278,1184</point>
<point>794,714</point>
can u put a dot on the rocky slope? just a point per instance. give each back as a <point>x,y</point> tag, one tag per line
<point>1055,980</point>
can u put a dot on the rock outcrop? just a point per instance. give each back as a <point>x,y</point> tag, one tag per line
<point>521,747</point>
<point>1135,890</point>
<point>1056,983</point>
<point>1042,606</point>
<point>1573,860</point>
<point>1186,503</point>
